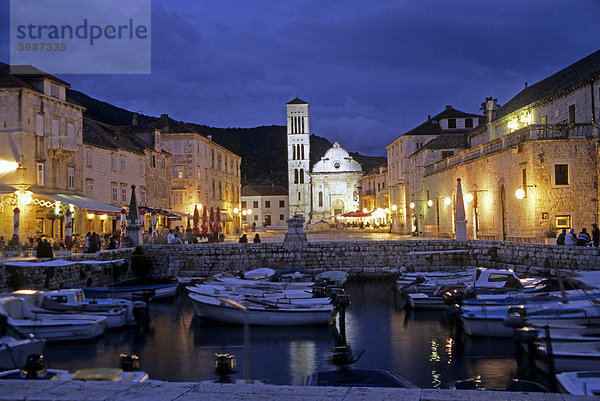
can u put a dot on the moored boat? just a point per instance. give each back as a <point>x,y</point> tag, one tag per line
<point>51,327</point>
<point>580,382</point>
<point>154,291</point>
<point>229,311</point>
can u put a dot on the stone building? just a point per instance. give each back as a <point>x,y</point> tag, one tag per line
<point>268,206</point>
<point>331,187</point>
<point>116,158</point>
<point>41,152</point>
<point>533,168</point>
<point>373,193</point>
<point>203,173</point>
<point>439,137</point>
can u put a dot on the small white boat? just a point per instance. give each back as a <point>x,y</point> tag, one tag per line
<point>580,382</point>
<point>73,302</point>
<point>154,291</point>
<point>263,284</point>
<point>51,327</point>
<point>230,311</point>
<point>15,350</point>
<point>570,356</point>
<point>264,273</point>
<point>490,323</point>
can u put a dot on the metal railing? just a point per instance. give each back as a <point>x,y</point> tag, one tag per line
<point>64,142</point>
<point>535,132</point>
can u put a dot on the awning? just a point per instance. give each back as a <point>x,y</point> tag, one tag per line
<point>83,202</point>
<point>225,217</point>
<point>179,214</point>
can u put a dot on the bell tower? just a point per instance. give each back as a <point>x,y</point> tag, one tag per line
<point>298,141</point>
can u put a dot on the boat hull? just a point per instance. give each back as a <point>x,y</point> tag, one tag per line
<point>14,352</point>
<point>215,309</point>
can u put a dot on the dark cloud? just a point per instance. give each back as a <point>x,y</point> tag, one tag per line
<point>370,70</point>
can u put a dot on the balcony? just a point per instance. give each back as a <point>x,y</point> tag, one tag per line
<point>535,132</point>
<point>63,143</point>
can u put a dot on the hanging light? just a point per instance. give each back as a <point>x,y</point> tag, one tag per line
<point>91,216</point>
<point>394,208</point>
<point>447,201</point>
<point>412,205</point>
<point>429,203</point>
<point>236,210</point>
<point>520,193</point>
<point>469,198</point>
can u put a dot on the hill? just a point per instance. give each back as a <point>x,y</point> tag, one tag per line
<point>263,149</point>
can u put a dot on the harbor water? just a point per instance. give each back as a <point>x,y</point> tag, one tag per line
<point>418,345</point>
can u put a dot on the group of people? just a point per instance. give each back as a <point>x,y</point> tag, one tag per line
<point>92,243</point>
<point>44,249</point>
<point>244,239</point>
<point>173,237</point>
<point>581,239</point>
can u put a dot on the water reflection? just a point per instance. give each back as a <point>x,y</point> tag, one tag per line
<point>419,346</point>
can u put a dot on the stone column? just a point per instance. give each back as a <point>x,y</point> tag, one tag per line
<point>295,237</point>
<point>460,221</point>
<point>134,231</point>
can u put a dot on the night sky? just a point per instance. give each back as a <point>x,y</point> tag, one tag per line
<point>371,70</point>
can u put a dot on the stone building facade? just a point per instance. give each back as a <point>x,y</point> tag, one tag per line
<point>534,169</point>
<point>437,138</point>
<point>331,187</point>
<point>41,137</point>
<point>115,158</point>
<point>268,206</point>
<point>202,173</point>
<point>373,192</point>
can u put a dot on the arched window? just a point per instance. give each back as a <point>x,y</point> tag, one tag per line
<point>320,199</point>
<point>298,152</point>
<point>302,124</point>
<point>295,176</point>
<point>293,152</point>
<point>301,176</point>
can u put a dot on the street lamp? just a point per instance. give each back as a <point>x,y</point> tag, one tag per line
<point>447,201</point>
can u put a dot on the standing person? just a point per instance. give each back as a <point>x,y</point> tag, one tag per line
<point>560,240</point>
<point>583,239</point>
<point>48,252</point>
<point>170,237</point>
<point>595,235</point>
<point>87,242</point>
<point>256,239</point>
<point>253,226</point>
<point>571,237</point>
<point>243,239</point>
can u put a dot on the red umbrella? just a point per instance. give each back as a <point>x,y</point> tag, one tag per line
<point>204,221</point>
<point>211,222</point>
<point>218,227</point>
<point>196,229</point>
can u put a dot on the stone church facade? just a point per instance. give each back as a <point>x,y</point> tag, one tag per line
<point>331,188</point>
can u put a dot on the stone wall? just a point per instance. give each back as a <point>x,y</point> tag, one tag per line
<point>78,275</point>
<point>360,258</point>
<point>368,256</point>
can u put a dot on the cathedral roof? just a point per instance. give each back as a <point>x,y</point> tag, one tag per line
<point>337,160</point>
<point>583,71</point>
<point>297,101</point>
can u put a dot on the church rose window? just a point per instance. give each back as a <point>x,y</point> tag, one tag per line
<point>336,164</point>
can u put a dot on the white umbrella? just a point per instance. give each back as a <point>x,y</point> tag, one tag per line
<point>460,221</point>
<point>142,215</point>
<point>68,227</point>
<point>16,218</point>
<point>153,215</point>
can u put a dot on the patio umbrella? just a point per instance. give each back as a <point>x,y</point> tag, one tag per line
<point>196,228</point>
<point>142,215</point>
<point>68,227</point>
<point>211,222</point>
<point>204,221</point>
<point>218,227</point>
<point>153,216</point>
<point>16,218</point>
<point>123,225</point>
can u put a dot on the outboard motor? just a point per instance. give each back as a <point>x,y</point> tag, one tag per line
<point>517,315</point>
<point>224,366</point>
<point>129,362</point>
<point>34,367</point>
